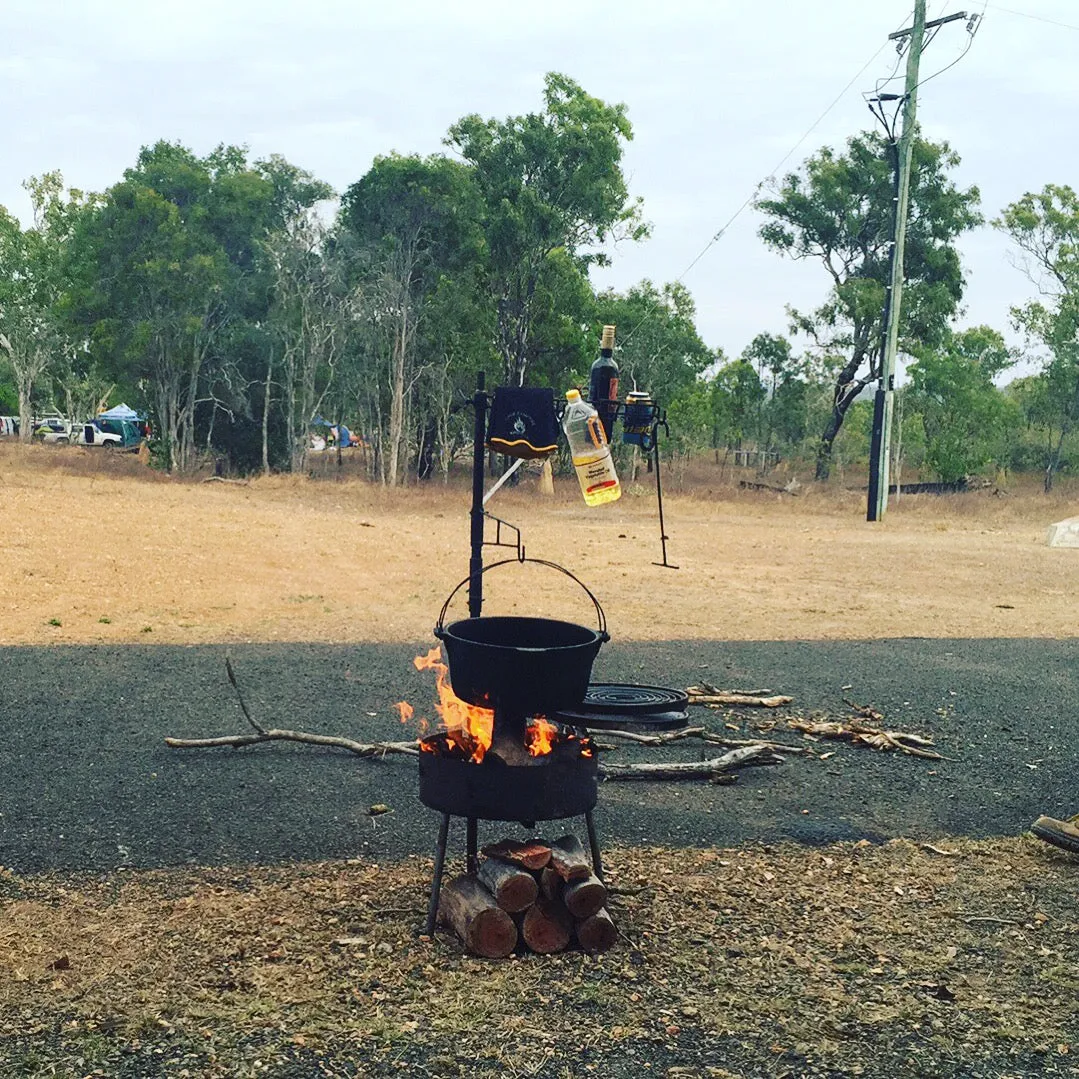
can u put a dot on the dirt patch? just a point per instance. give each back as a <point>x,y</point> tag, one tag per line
<point>956,959</point>
<point>101,551</point>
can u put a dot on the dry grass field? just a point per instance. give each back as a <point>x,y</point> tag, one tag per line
<point>100,549</point>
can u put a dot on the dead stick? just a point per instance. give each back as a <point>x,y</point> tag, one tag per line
<point>715,769</point>
<point>703,734</point>
<point>238,741</point>
<point>239,696</point>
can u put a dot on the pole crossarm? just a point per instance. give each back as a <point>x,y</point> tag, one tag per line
<point>929,25</point>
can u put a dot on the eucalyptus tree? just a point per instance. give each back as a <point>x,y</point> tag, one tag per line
<point>412,224</point>
<point>34,337</point>
<point>551,182</point>
<point>170,283</point>
<point>1045,230</point>
<point>837,211</point>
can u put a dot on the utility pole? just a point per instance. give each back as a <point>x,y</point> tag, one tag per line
<point>882,405</point>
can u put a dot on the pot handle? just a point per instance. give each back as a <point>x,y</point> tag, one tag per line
<point>440,629</point>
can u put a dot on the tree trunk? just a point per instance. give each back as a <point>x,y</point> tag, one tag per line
<point>266,415</point>
<point>470,910</point>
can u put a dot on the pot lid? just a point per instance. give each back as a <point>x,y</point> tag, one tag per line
<point>627,699</point>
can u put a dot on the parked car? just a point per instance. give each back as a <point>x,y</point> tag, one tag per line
<point>110,433</point>
<point>9,426</point>
<point>52,429</point>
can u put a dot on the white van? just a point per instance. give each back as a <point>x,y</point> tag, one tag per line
<point>9,426</point>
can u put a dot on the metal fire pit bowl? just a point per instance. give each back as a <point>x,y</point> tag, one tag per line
<point>564,786</point>
<point>521,665</point>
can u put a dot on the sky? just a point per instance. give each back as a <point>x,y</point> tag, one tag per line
<point>723,96</point>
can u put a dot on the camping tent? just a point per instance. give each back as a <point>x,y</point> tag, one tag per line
<point>120,412</point>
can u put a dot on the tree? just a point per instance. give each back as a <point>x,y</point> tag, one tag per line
<point>661,350</point>
<point>414,221</point>
<point>550,182</point>
<point>966,418</point>
<point>171,282</point>
<point>838,210</point>
<point>735,396</point>
<point>33,335</point>
<point>1045,229</point>
<point>772,356</point>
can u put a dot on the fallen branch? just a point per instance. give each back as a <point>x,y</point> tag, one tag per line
<point>854,730</point>
<point>718,698</point>
<point>702,734</point>
<point>717,770</point>
<point>238,741</point>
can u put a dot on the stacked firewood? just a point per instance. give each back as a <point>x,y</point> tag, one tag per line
<point>542,897</point>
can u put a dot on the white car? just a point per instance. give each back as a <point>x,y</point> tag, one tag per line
<point>52,429</point>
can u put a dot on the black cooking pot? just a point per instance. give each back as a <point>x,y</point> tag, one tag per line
<point>521,666</point>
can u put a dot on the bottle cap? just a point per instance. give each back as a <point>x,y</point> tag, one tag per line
<point>573,395</point>
<point>607,340</point>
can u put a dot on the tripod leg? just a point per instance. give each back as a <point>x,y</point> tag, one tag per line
<point>470,847</point>
<point>436,880</point>
<point>593,843</point>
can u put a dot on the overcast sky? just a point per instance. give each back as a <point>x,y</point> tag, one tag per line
<point>719,92</point>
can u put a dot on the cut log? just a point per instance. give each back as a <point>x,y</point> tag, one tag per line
<point>569,859</point>
<point>472,913</point>
<point>550,884</point>
<point>598,933</point>
<point>546,926</point>
<point>513,888</point>
<point>531,854</point>
<point>583,898</point>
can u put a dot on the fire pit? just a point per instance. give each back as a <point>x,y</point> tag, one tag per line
<point>499,757</point>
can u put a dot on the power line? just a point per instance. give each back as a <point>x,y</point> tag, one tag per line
<point>1036,18</point>
<point>749,200</point>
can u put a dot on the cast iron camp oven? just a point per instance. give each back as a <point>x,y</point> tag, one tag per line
<point>521,666</point>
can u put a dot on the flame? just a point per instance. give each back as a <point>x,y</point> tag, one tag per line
<point>468,726</point>
<point>540,736</point>
<point>405,710</point>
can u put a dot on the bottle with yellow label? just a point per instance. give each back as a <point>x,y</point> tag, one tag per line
<point>590,451</point>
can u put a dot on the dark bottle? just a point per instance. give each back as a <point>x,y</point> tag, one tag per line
<point>603,382</point>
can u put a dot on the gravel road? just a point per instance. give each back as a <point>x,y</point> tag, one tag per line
<point>88,783</point>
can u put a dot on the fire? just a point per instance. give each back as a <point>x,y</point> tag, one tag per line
<point>540,736</point>
<point>468,726</point>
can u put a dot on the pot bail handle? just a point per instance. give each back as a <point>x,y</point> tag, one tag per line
<point>440,628</point>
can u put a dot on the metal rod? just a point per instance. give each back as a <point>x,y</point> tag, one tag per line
<point>505,476</point>
<point>436,880</point>
<point>593,842</point>
<point>663,537</point>
<point>475,562</point>
<point>470,845</point>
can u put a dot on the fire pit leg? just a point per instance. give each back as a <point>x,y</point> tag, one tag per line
<point>436,882</point>
<point>471,845</point>
<point>593,842</point>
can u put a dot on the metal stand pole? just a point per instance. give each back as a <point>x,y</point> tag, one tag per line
<point>436,881</point>
<point>475,562</point>
<point>663,537</point>
<point>593,842</point>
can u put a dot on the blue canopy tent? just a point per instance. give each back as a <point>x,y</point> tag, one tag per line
<point>120,412</point>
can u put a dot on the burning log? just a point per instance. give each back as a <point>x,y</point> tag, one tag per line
<point>546,926</point>
<point>569,859</point>
<point>514,888</point>
<point>472,913</point>
<point>598,933</point>
<point>583,898</point>
<point>529,855</point>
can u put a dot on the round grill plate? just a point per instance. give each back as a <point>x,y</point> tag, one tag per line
<point>626,699</point>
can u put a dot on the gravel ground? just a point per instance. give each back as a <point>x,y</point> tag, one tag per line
<point>89,784</point>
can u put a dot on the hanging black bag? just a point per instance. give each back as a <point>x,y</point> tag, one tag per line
<point>523,422</point>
